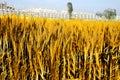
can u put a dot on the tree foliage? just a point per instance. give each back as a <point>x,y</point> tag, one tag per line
<point>108,14</point>
<point>99,14</point>
<point>70,9</point>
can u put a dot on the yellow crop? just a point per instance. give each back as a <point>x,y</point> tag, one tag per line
<point>55,49</point>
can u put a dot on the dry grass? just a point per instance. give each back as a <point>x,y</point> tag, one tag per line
<point>34,48</point>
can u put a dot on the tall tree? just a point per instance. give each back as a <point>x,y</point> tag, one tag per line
<point>110,13</point>
<point>70,9</point>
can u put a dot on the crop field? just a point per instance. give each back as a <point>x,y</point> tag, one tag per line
<point>36,48</point>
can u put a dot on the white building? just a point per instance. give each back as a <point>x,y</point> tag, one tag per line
<point>4,6</point>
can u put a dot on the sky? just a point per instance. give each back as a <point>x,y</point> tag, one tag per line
<point>91,6</point>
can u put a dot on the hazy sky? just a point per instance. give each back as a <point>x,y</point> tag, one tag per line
<point>78,5</point>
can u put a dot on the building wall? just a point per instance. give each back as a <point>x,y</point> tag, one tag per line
<point>3,5</point>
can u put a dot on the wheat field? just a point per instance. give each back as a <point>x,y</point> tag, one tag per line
<point>36,48</point>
